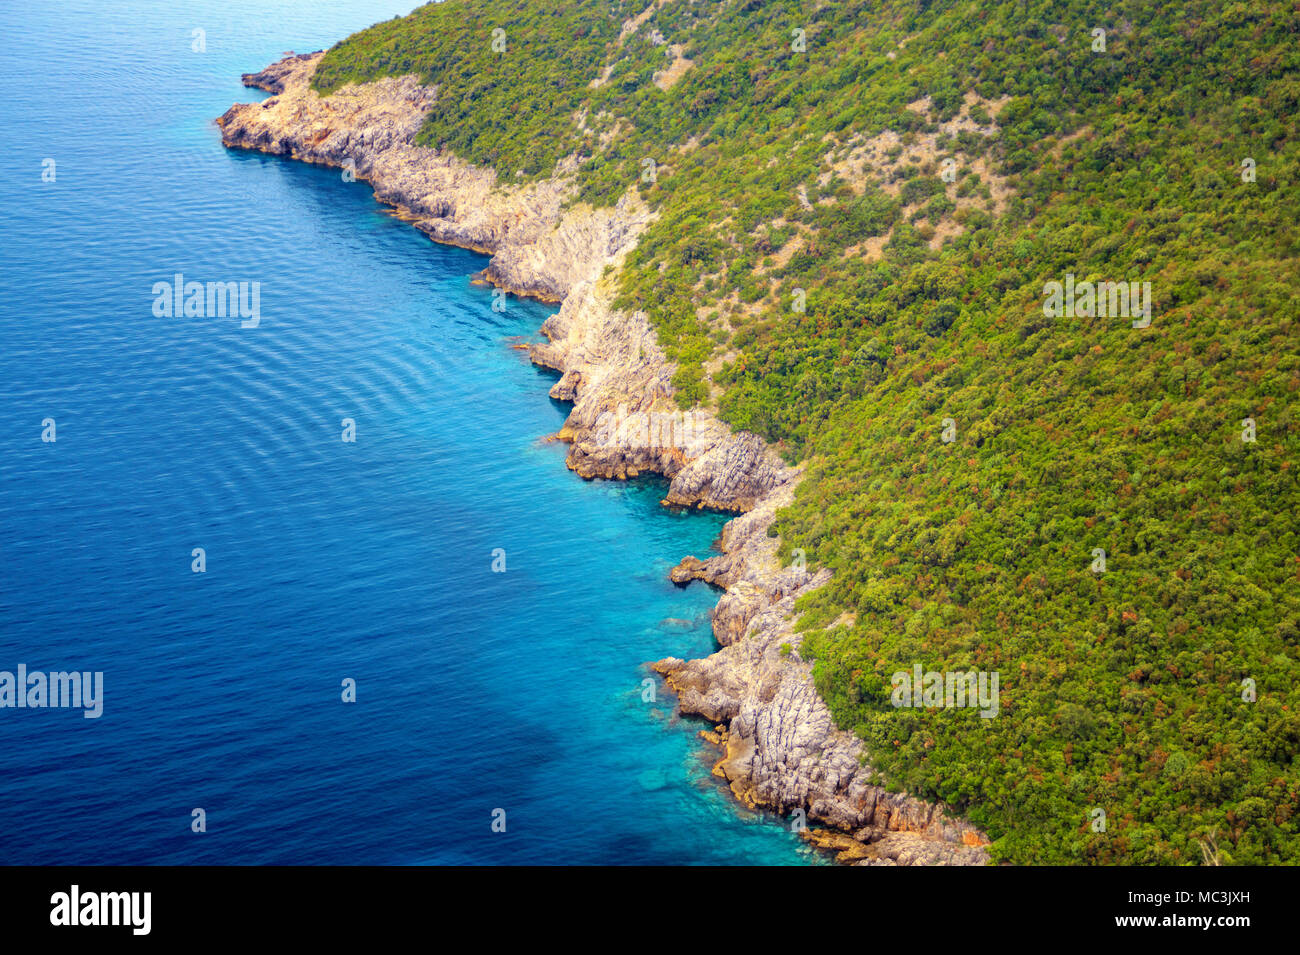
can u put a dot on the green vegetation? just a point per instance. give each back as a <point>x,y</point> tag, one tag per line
<point>1123,690</point>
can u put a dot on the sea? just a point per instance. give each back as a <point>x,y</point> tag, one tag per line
<point>424,645</point>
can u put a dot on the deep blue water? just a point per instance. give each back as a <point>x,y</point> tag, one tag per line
<point>325,560</point>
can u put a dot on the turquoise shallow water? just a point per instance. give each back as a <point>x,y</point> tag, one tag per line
<point>371,561</point>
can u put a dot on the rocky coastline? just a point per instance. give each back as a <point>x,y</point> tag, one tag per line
<point>780,748</point>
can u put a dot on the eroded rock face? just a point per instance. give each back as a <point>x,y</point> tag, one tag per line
<point>537,248</point>
<point>781,748</point>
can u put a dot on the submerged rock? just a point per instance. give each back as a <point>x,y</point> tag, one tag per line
<point>676,623</point>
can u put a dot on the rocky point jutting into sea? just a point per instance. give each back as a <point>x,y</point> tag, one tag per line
<point>781,749</point>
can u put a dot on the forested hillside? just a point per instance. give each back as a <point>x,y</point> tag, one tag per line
<point>861,205</point>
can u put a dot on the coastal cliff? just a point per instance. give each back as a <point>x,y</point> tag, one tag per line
<point>780,747</point>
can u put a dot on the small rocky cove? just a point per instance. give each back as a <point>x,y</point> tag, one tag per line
<point>779,747</point>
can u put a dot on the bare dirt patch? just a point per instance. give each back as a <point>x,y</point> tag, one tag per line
<point>664,79</point>
<point>885,161</point>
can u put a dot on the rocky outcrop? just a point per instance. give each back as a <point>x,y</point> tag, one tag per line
<point>781,748</point>
<point>538,248</point>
